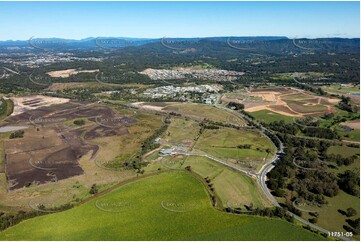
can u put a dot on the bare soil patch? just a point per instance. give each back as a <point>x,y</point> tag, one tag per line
<point>23,104</point>
<point>291,102</point>
<point>68,72</point>
<point>50,149</point>
<point>354,124</point>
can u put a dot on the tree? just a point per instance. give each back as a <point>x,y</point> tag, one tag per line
<point>79,122</point>
<point>350,212</point>
<point>313,220</point>
<point>94,189</point>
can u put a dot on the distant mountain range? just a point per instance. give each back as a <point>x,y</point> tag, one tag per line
<point>236,42</point>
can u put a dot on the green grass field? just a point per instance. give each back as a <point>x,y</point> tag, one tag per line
<point>267,116</point>
<point>329,218</point>
<point>353,135</point>
<point>337,88</point>
<point>345,151</point>
<point>182,131</point>
<point>232,187</point>
<point>148,209</point>
<point>222,143</point>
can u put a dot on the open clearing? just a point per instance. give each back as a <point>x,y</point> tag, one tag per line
<point>50,149</point>
<point>76,85</point>
<point>68,72</point>
<point>64,157</point>
<point>354,124</point>
<point>291,102</point>
<point>196,111</point>
<point>233,188</point>
<point>23,104</point>
<point>223,143</point>
<point>268,116</point>
<point>342,88</point>
<point>120,215</point>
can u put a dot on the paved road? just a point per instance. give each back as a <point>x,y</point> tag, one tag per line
<point>262,175</point>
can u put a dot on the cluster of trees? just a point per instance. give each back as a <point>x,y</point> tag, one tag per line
<point>266,212</point>
<point>17,134</point>
<point>283,127</point>
<point>341,160</point>
<point>349,181</point>
<point>93,189</point>
<point>245,146</point>
<point>294,129</point>
<point>9,219</point>
<point>79,122</point>
<point>149,144</point>
<point>316,90</point>
<point>354,226</point>
<point>235,106</point>
<point>345,104</point>
<point>318,132</point>
<point>310,185</point>
<point>3,107</point>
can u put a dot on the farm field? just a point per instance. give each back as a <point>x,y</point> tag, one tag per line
<point>118,215</point>
<point>223,143</point>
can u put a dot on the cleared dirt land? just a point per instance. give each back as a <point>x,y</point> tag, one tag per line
<point>354,124</point>
<point>50,148</point>
<point>58,161</point>
<point>68,72</point>
<point>291,102</point>
<point>23,104</point>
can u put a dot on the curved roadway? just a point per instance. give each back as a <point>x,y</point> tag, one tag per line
<point>262,174</point>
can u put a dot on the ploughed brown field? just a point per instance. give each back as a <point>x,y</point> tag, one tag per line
<point>52,145</point>
<point>290,102</point>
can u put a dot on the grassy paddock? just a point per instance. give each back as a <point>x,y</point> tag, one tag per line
<point>135,212</point>
<point>202,111</point>
<point>222,143</point>
<point>269,116</point>
<point>232,187</point>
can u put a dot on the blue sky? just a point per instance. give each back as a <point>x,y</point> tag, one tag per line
<point>76,20</point>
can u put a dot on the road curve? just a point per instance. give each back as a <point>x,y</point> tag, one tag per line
<point>262,175</point>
